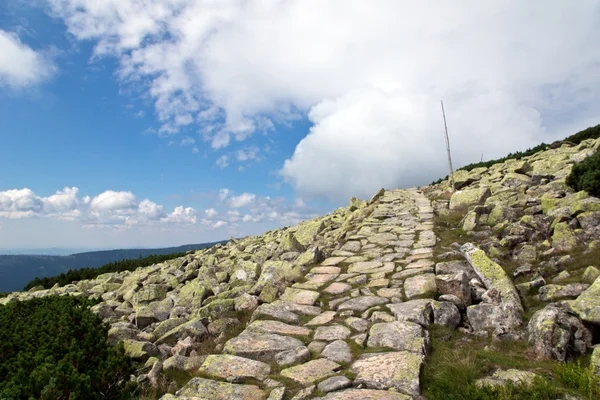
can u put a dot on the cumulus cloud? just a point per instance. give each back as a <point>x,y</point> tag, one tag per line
<point>20,65</point>
<point>243,200</point>
<point>219,224</point>
<point>211,212</point>
<point>223,161</point>
<point>370,78</point>
<point>109,208</point>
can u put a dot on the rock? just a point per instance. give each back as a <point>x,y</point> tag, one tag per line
<point>292,357</point>
<point>321,319</point>
<point>334,383</point>
<point>358,324</point>
<point>494,277</point>
<point>587,305</point>
<point>194,328</point>
<point>557,292</point>
<point>454,267</point>
<point>397,370</point>
<point>183,363</point>
<point>277,312</point>
<point>245,302</point>
<point>233,368</point>
<point>200,388</point>
<point>155,373</point>
<point>591,274</point>
<point>469,197</point>
<point>418,311</point>
<point>300,296</point>
<point>277,393</point>
<point>279,328</point>
<point>331,333</point>
<point>365,394</point>
<point>337,351</point>
<point>554,333</point>
<point>595,361</point>
<point>305,393</point>
<point>501,377</point>
<point>489,316</point>
<point>312,371</point>
<point>260,346</point>
<point>139,350</point>
<point>563,238</point>
<point>446,314</point>
<point>399,335</point>
<point>337,288</point>
<point>420,286</point>
<point>456,285</point>
<point>360,304</point>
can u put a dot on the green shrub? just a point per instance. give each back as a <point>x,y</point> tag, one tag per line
<point>73,275</point>
<point>55,348</point>
<point>586,175</point>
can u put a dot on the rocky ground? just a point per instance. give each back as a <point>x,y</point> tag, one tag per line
<point>341,307</point>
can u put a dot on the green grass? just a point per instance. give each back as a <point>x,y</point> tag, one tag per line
<point>454,365</point>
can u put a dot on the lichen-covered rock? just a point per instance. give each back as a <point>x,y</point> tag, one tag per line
<point>400,335</point>
<point>139,350</point>
<point>233,368</point>
<point>501,377</point>
<point>200,388</point>
<point>420,286</point>
<point>260,346</point>
<point>469,197</point>
<point>312,371</point>
<point>397,370</point>
<point>563,238</point>
<point>554,333</point>
<point>457,285</point>
<point>493,277</point>
<point>557,292</point>
<point>587,305</point>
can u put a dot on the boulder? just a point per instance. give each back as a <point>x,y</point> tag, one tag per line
<point>469,197</point>
<point>554,333</point>
<point>200,388</point>
<point>587,305</point>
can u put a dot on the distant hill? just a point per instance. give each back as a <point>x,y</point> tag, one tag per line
<point>17,270</point>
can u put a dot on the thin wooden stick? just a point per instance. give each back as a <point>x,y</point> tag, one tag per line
<point>448,146</point>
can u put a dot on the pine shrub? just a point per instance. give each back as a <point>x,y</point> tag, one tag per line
<point>586,175</point>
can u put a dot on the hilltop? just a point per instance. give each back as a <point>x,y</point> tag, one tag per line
<point>486,287</point>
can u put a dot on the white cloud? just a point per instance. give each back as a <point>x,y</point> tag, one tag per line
<point>219,224</point>
<point>109,208</point>
<point>111,201</point>
<point>224,193</point>
<point>248,154</point>
<point>21,66</point>
<point>512,74</point>
<point>211,212</point>
<point>242,200</point>
<point>223,161</point>
<point>187,141</point>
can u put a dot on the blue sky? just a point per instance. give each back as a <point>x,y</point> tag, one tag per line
<point>126,123</point>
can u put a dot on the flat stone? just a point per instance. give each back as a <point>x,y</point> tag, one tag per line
<point>399,335</point>
<point>326,270</point>
<point>300,296</point>
<point>321,319</point>
<point>312,371</point>
<point>333,261</point>
<point>199,388</point>
<point>360,304</point>
<point>278,328</point>
<point>420,286</point>
<point>417,311</point>
<point>371,267</point>
<point>269,310</point>
<point>320,278</point>
<point>301,309</point>
<point>390,292</point>
<point>395,370</point>
<point>234,368</point>
<point>379,283</point>
<point>337,288</point>
<point>331,333</point>
<point>292,357</point>
<point>365,394</point>
<point>260,346</point>
<point>424,263</point>
<point>358,324</point>
<point>334,383</point>
<point>338,351</point>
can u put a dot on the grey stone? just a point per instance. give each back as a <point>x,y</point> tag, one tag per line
<point>338,351</point>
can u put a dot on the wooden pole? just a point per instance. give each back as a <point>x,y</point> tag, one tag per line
<point>448,146</point>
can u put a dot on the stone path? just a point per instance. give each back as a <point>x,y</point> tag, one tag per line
<point>355,328</point>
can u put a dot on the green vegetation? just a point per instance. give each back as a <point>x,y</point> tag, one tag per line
<point>586,175</point>
<point>56,348</point>
<point>456,363</point>
<point>589,133</point>
<point>90,273</point>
